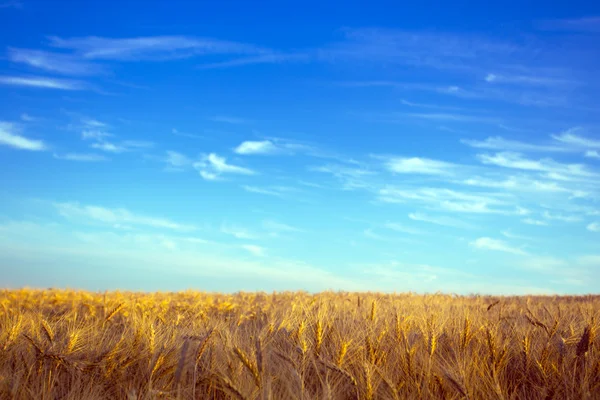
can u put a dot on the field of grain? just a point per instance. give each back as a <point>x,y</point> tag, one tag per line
<point>295,345</point>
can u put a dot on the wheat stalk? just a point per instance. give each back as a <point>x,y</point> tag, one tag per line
<point>250,366</point>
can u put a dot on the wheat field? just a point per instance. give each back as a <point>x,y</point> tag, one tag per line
<point>295,345</point>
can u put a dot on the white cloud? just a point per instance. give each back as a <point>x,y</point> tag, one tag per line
<point>94,135</point>
<point>93,123</point>
<point>237,232</point>
<point>254,250</point>
<point>523,184</point>
<point>137,144</point>
<point>212,166</point>
<point>277,191</point>
<point>486,243</point>
<point>517,161</point>
<point>449,117</point>
<point>116,216</point>
<point>109,147</point>
<point>10,137</point>
<point>54,62</point>
<point>417,165</point>
<point>27,118</point>
<point>440,220</point>
<point>511,235</point>
<point>592,154</point>
<point>570,138</point>
<point>499,143</point>
<point>446,199</point>
<point>256,147</point>
<point>560,217</point>
<point>151,47</point>
<point>177,160</point>
<point>594,227</point>
<point>43,83</point>
<point>525,80</point>
<point>351,177</point>
<point>531,221</point>
<point>83,157</point>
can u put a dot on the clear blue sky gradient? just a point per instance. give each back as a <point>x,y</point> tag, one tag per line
<point>358,146</point>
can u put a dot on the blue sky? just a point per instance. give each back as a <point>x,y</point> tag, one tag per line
<point>225,146</point>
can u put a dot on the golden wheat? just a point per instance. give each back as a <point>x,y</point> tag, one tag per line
<point>295,345</point>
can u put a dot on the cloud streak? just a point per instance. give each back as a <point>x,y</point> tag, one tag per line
<point>42,83</point>
<point>486,243</point>
<point>81,157</point>
<point>116,216</point>
<point>151,48</point>
<point>211,167</point>
<point>54,62</point>
<point>9,137</point>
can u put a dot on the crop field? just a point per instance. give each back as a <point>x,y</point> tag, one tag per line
<point>295,345</point>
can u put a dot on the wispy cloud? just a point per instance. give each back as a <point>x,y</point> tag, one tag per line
<point>108,147</point>
<point>594,227</point>
<point>42,83</point>
<point>272,58</point>
<point>424,49</point>
<point>176,132</point>
<point>212,166</point>
<point>27,118</point>
<point>351,177</point>
<point>116,216</point>
<point>440,220</point>
<point>451,117</point>
<point>592,154</point>
<point>257,147</point>
<point>446,199</point>
<point>517,161</point>
<point>237,232</point>
<point>486,243</point>
<point>95,135</point>
<point>524,184</point>
<point>177,161</point>
<point>9,136</point>
<point>151,47</point>
<point>93,123</point>
<point>417,165</point>
<point>560,217</point>
<point>515,236</point>
<point>536,222</point>
<point>499,143</point>
<point>426,105</point>
<point>54,62</point>
<point>255,250</point>
<point>121,147</point>
<point>570,138</point>
<point>82,157</point>
<point>525,80</point>
<point>276,191</point>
